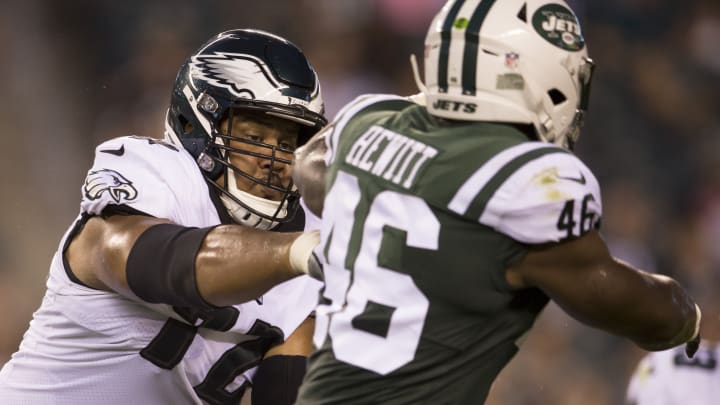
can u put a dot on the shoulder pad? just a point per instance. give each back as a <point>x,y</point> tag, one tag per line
<point>145,174</point>
<point>533,192</point>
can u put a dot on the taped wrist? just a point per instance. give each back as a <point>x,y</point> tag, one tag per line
<point>161,265</point>
<point>277,380</point>
<point>301,250</point>
<point>698,318</point>
<point>689,332</point>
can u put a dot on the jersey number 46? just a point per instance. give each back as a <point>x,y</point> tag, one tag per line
<point>366,305</point>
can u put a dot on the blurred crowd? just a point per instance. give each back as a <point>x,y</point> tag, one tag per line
<point>78,72</point>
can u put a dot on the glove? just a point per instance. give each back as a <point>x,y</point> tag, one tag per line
<point>692,345</point>
<point>315,267</point>
<point>303,259</point>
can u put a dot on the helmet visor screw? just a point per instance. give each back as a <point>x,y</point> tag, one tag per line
<point>208,104</point>
<point>206,162</point>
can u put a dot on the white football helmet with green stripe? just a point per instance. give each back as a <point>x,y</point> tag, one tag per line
<point>517,61</point>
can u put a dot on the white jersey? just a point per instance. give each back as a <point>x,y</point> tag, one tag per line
<point>671,378</point>
<point>86,346</point>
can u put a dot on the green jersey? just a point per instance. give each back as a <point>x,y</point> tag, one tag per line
<point>421,218</point>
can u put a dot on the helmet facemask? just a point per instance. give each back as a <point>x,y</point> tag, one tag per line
<point>585,75</point>
<point>259,75</point>
<point>277,194</point>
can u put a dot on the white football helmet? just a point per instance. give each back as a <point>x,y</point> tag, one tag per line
<point>517,61</point>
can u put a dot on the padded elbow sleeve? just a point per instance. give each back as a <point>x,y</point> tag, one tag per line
<point>161,265</point>
<point>277,380</point>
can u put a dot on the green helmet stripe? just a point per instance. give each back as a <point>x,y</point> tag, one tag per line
<point>472,39</point>
<point>445,36</point>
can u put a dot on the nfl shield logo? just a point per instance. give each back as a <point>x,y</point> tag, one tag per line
<point>512,59</point>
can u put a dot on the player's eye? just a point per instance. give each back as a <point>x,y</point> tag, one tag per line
<point>253,137</point>
<point>287,145</point>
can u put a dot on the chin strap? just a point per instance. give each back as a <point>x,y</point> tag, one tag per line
<point>245,217</point>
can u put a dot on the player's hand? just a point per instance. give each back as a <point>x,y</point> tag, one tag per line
<point>302,257</point>
<point>692,345</point>
<point>315,267</point>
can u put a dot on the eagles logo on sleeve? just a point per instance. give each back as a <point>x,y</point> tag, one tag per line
<point>105,180</point>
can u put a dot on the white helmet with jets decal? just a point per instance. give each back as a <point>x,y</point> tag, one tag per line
<point>516,61</point>
<point>247,70</point>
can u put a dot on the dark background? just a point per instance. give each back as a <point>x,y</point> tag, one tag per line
<point>77,72</point>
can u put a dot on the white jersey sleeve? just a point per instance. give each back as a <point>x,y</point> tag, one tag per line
<point>548,198</point>
<point>150,176</point>
<point>671,378</point>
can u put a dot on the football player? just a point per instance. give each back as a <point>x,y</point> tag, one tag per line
<point>450,219</point>
<point>182,280</point>
<point>672,378</point>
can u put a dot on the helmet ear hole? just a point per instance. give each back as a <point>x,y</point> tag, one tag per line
<point>187,127</point>
<point>556,96</point>
<point>522,14</point>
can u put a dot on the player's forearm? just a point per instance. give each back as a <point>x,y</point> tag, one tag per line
<point>237,264</point>
<point>299,343</point>
<point>673,316</point>
<point>652,310</point>
<point>583,278</point>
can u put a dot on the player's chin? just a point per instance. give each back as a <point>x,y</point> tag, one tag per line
<point>272,194</point>
<point>276,192</point>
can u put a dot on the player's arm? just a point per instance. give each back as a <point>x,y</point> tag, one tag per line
<point>280,374</point>
<point>161,262</point>
<point>583,278</point>
<point>309,171</point>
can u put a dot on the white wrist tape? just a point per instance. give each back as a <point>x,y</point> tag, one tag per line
<point>302,249</point>
<point>697,322</point>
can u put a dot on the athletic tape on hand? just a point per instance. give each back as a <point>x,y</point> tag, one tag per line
<point>302,249</point>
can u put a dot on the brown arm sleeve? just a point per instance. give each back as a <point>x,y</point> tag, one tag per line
<point>583,278</point>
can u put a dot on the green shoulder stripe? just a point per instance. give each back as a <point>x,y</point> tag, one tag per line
<point>367,116</point>
<point>476,192</point>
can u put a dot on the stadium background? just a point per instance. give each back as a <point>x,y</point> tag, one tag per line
<point>77,72</point>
